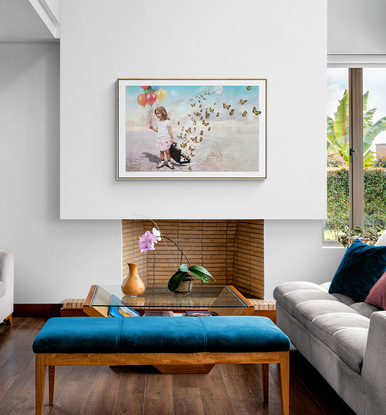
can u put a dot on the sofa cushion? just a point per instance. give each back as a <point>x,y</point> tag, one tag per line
<point>345,333</point>
<point>377,294</point>
<point>360,268</point>
<point>2,288</point>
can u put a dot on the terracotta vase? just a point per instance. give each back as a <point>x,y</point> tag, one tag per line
<point>133,285</point>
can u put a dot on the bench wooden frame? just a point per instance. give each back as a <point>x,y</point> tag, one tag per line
<point>193,360</point>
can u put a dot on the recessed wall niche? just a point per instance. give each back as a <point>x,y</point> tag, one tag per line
<point>231,250</point>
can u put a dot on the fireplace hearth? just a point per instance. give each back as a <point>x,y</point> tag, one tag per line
<point>231,250</point>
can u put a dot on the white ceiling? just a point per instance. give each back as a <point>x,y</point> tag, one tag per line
<point>19,22</point>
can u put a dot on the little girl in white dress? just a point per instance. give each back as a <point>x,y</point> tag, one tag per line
<point>165,136</point>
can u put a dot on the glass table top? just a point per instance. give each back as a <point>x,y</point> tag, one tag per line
<point>201,297</point>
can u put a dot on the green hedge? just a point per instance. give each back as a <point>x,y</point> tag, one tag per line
<point>338,197</point>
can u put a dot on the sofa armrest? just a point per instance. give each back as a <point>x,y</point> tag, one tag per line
<point>374,364</point>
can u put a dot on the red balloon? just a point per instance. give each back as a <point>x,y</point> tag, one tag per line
<point>151,98</point>
<point>141,99</point>
<point>144,87</point>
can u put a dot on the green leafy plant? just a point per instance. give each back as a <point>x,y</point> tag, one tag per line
<point>368,235</point>
<point>338,130</point>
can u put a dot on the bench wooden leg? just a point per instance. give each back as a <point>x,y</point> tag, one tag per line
<point>40,377</point>
<point>51,384</point>
<point>284,383</point>
<point>265,373</point>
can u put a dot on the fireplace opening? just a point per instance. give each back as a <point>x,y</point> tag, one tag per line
<point>231,250</point>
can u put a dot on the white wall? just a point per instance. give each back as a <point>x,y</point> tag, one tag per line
<point>282,41</point>
<point>57,259</point>
<point>356,27</point>
<point>54,259</point>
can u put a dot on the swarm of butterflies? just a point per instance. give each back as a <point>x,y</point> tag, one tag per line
<point>200,120</point>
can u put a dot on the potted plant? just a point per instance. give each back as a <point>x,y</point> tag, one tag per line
<point>367,235</point>
<point>181,281</point>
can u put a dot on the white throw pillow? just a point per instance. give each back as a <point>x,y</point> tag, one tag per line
<point>382,240</point>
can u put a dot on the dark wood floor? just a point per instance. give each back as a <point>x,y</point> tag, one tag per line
<point>227,389</point>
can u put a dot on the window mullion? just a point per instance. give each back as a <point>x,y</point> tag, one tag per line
<point>356,177</point>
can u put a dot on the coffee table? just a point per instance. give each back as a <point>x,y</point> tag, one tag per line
<point>223,299</point>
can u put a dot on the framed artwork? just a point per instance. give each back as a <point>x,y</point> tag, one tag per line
<point>191,129</point>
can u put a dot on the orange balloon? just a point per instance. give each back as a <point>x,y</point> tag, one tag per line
<point>161,94</point>
<point>141,99</point>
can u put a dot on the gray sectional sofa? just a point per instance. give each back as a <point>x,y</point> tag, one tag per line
<point>343,340</point>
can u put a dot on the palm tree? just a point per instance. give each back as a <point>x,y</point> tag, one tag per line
<point>338,130</point>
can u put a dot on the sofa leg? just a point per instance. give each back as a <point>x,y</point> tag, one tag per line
<point>284,383</point>
<point>8,320</point>
<point>51,384</point>
<point>265,373</point>
<point>40,377</point>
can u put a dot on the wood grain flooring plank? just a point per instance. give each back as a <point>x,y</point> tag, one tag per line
<point>213,393</point>
<point>247,397</point>
<point>159,394</point>
<point>186,395</point>
<point>130,395</point>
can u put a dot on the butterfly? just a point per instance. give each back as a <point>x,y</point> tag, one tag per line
<point>255,111</point>
<point>193,105</point>
<point>178,123</point>
<point>243,102</point>
<point>189,130</point>
<point>191,148</point>
<point>189,168</point>
<point>197,114</point>
<point>211,109</point>
<point>194,139</point>
<point>194,123</point>
<point>207,115</point>
<point>244,114</point>
<point>218,114</point>
<point>249,88</point>
<point>226,106</point>
<point>179,136</point>
<point>200,139</point>
<point>191,155</point>
<point>205,123</point>
<point>202,132</point>
<point>209,128</point>
<point>232,112</point>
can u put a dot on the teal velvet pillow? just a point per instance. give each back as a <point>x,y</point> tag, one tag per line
<point>360,268</point>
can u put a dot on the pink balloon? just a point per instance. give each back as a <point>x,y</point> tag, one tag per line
<point>144,87</point>
<point>151,98</point>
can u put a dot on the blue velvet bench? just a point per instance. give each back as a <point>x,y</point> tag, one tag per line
<point>172,344</point>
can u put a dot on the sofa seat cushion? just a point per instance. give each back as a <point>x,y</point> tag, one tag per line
<point>298,299</point>
<point>345,334</point>
<point>160,335</point>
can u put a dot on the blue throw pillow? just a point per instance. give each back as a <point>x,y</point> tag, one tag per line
<point>360,268</point>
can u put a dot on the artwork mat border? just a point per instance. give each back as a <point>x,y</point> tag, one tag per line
<point>121,173</point>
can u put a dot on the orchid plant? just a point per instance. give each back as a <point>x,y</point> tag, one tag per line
<point>147,242</point>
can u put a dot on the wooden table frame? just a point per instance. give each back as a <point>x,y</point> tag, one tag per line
<point>193,360</point>
<point>103,310</point>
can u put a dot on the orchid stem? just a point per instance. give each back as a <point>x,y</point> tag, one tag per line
<point>182,252</point>
<point>163,236</point>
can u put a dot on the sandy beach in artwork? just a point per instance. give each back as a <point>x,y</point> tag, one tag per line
<point>225,154</point>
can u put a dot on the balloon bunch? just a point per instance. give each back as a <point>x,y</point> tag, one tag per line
<point>152,95</point>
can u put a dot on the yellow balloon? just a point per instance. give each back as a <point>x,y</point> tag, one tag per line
<point>161,94</point>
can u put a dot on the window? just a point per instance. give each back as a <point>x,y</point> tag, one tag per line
<point>356,147</point>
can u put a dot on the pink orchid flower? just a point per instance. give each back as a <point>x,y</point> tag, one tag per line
<point>147,241</point>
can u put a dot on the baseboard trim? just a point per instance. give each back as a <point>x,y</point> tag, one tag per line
<point>37,310</point>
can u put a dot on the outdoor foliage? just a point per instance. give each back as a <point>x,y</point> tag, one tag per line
<point>338,197</point>
<point>338,130</point>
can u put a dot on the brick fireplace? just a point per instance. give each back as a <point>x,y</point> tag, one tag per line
<point>231,250</point>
